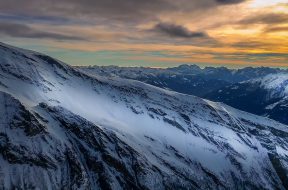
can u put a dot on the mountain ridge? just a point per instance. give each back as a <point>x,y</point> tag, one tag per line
<point>209,83</point>
<point>267,96</point>
<point>187,79</point>
<point>66,129</point>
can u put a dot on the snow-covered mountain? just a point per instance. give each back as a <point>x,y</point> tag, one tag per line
<point>187,79</point>
<point>216,84</point>
<point>61,128</point>
<point>276,84</point>
<point>267,96</point>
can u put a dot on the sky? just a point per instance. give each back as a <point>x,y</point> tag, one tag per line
<point>151,33</point>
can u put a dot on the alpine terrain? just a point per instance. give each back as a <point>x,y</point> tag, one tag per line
<point>61,128</point>
<point>188,79</point>
<point>267,96</point>
<point>261,90</point>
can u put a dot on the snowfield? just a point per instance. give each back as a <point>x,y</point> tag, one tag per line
<point>63,128</point>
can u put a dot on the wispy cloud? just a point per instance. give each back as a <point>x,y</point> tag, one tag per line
<point>230,1</point>
<point>277,29</point>
<point>267,18</point>
<point>36,19</point>
<point>25,31</point>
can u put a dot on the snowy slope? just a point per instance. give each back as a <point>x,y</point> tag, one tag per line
<point>62,128</point>
<point>276,84</point>
<point>267,96</point>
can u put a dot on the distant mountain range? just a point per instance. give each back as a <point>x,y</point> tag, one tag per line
<point>243,89</point>
<point>267,96</point>
<point>62,128</point>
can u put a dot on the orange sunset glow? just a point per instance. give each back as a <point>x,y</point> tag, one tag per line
<point>159,33</point>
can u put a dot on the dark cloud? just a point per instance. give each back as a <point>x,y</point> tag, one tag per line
<point>271,18</point>
<point>128,10</point>
<point>113,15</point>
<point>106,9</point>
<point>229,1</point>
<point>25,31</point>
<point>37,19</point>
<point>277,29</point>
<point>177,31</point>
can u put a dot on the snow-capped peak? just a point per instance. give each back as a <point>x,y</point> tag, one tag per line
<point>276,82</point>
<point>67,129</point>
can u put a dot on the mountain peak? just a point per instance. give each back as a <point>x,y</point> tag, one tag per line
<point>68,129</point>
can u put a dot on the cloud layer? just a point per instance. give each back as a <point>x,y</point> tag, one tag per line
<point>215,26</point>
<point>268,18</point>
<point>25,31</point>
<point>108,9</point>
